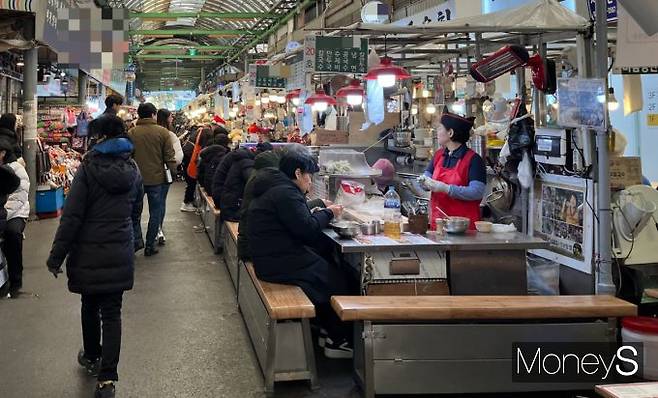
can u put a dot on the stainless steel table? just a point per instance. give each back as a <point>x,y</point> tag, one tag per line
<point>473,264</point>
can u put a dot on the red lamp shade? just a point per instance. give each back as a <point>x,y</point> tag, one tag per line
<point>386,73</point>
<point>320,101</point>
<point>353,93</point>
<point>293,96</point>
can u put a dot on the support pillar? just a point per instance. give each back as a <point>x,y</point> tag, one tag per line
<point>604,282</point>
<point>83,83</point>
<point>30,122</point>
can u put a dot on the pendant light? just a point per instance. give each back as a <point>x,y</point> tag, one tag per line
<point>430,109</point>
<point>320,101</point>
<point>387,73</point>
<point>265,98</point>
<point>353,93</point>
<point>293,97</point>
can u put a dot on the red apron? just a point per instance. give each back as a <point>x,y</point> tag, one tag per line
<point>455,176</point>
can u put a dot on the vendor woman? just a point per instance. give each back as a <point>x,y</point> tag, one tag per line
<point>457,175</point>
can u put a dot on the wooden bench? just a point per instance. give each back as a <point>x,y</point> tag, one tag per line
<point>230,244</point>
<point>463,344</point>
<point>277,318</point>
<point>210,219</point>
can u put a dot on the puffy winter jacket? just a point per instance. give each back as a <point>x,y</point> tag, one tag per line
<point>9,182</point>
<point>280,229</point>
<point>229,181</point>
<point>209,159</point>
<point>96,230</point>
<point>18,203</point>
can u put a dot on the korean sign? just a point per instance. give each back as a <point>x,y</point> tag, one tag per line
<point>266,77</point>
<point>335,54</point>
<point>612,9</point>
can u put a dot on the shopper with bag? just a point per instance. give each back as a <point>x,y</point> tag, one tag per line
<point>154,154</point>
<point>166,120</point>
<point>201,140</point>
<point>96,235</point>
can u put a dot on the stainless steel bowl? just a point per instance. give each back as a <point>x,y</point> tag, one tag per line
<point>346,229</point>
<point>457,225</point>
<point>402,139</point>
<point>372,228</point>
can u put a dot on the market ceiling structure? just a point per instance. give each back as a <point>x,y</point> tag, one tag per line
<point>173,40</point>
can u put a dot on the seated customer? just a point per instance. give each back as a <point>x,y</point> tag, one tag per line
<point>281,228</point>
<point>228,183</point>
<point>263,160</point>
<point>210,157</point>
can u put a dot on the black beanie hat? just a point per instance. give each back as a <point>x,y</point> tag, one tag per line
<point>460,125</point>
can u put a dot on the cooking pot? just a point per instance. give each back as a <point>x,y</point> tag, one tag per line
<point>346,229</point>
<point>402,139</point>
<point>501,196</point>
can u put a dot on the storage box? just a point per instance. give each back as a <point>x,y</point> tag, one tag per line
<point>326,137</point>
<point>625,172</point>
<point>370,135</point>
<point>50,201</point>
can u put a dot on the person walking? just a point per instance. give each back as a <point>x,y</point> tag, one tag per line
<point>153,151</point>
<point>113,103</point>
<point>166,119</point>
<point>9,182</point>
<point>190,183</point>
<point>96,234</point>
<point>18,211</point>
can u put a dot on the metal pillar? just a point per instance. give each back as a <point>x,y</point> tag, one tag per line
<point>83,82</point>
<point>604,283</point>
<point>30,121</point>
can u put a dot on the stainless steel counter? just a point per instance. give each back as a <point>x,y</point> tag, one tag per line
<point>471,241</point>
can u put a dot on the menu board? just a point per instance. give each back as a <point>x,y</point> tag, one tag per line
<point>336,54</point>
<point>265,78</point>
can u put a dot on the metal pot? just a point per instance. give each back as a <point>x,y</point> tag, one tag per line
<point>502,194</point>
<point>402,139</point>
<point>346,229</point>
<point>372,228</point>
<point>457,225</point>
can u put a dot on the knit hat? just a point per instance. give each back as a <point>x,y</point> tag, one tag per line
<point>263,146</point>
<point>388,171</point>
<point>266,159</point>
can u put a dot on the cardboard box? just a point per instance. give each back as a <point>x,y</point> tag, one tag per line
<point>326,137</point>
<point>370,135</point>
<point>625,172</point>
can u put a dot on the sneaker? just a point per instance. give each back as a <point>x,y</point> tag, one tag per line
<point>150,251</point>
<point>161,238</point>
<point>92,366</point>
<point>188,207</point>
<point>338,350</point>
<point>139,245</point>
<point>104,390</point>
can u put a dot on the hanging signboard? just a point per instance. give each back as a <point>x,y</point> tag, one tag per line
<point>266,77</point>
<point>612,9</point>
<point>636,50</point>
<point>582,103</point>
<point>443,12</point>
<point>336,54</point>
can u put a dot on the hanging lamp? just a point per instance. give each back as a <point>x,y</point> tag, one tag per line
<point>293,97</point>
<point>353,93</point>
<point>320,101</point>
<point>387,73</point>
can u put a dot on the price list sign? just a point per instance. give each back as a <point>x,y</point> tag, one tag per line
<point>336,54</point>
<point>652,107</point>
<point>266,79</point>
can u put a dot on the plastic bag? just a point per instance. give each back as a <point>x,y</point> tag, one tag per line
<point>525,171</point>
<point>521,135</point>
<point>351,193</point>
<point>504,154</point>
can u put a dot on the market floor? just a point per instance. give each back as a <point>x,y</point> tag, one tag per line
<point>182,333</point>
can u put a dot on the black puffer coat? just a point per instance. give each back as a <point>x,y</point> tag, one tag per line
<point>13,138</point>
<point>96,231</point>
<point>209,160</point>
<point>280,229</point>
<point>9,182</point>
<point>229,181</point>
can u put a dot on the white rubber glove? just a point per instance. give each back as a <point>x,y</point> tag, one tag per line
<point>435,186</point>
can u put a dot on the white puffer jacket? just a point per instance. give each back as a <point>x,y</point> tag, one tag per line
<point>18,204</point>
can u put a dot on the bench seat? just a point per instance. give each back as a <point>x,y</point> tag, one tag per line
<point>211,221</point>
<point>277,319</point>
<point>403,308</point>
<point>230,245</point>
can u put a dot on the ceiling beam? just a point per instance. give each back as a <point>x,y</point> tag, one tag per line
<point>215,15</point>
<point>174,56</point>
<point>199,47</point>
<point>191,32</point>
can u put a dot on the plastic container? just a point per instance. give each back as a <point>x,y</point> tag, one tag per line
<point>50,201</point>
<point>392,214</point>
<point>643,330</point>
